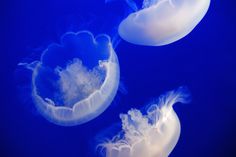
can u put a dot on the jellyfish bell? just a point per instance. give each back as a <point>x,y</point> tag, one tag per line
<point>153,134</point>
<point>162,22</point>
<point>75,81</point>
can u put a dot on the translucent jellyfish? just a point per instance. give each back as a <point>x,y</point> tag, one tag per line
<point>75,81</point>
<point>153,134</point>
<point>162,22</point>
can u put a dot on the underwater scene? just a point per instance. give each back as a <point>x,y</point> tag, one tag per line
<point>118,78</point>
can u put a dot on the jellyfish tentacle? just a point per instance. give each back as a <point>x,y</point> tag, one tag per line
<point>153,134</point>
<point>132,5</point>
<point>75,81</point>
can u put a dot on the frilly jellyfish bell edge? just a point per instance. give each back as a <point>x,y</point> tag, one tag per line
<point>91,106</point>
<point>153,134</point>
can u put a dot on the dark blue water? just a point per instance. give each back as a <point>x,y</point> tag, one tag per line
<point>204,61</point>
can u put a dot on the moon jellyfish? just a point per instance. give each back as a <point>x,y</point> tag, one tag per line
<point>162,22</point>
<point>75,81</point>
<point>153,134</point>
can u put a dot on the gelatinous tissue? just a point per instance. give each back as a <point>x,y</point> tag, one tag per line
<point>161,22</point>
<point>153,134</point>
<point>75,81</point>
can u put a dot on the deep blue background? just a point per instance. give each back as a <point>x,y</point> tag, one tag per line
<point>204,61</point>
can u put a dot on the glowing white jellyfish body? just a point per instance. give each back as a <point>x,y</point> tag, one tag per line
<point>152,135</point>
<point>162,22</point>
<point>77,80</point>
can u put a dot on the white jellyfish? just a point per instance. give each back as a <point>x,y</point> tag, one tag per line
<point>162,22</point>
<point>77,80</point>
<point>154,134</point>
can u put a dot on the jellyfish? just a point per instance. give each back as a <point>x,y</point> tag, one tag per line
<point>152,134</point>
<point>75,81</point>
<point>162,22</point>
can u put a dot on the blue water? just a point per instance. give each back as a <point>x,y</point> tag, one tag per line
<point>204,61</point>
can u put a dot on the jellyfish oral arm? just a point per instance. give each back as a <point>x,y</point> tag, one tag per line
<point>154,134</point>
<point>79,96</point>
